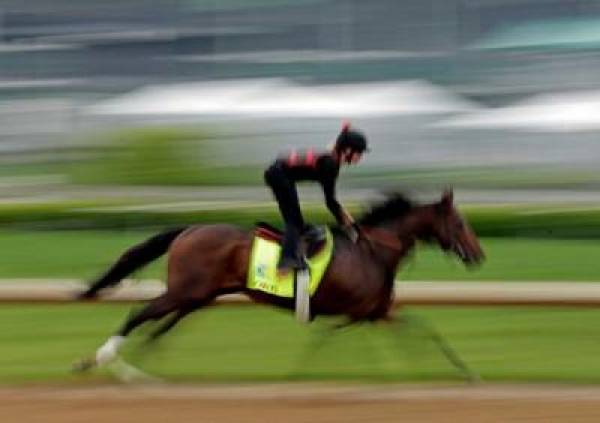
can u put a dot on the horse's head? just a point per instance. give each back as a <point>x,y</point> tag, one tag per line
<point>453,233</point>
<point>439,222</point>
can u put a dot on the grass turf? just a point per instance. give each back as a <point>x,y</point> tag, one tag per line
<point>260,344</point>
<point>518,344</point>
<point>84,254</point>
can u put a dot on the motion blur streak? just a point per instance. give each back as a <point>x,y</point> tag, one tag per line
<point>121,119</point>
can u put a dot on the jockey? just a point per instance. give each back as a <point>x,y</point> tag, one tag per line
<point>322,167</point>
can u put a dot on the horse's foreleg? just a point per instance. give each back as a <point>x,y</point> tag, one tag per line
<point>319,338</point>
<point>450,354</point>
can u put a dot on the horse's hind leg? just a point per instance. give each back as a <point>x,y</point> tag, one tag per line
<point>156,309</point>
<point>183,311</point>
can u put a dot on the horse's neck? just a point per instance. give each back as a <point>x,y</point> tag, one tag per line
<point>386,247</point>
<point>406,230</point>
<point>413,225</point>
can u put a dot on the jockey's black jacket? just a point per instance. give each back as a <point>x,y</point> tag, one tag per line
<point>308,165</point>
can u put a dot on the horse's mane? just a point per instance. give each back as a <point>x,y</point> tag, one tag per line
<point>394,206</point>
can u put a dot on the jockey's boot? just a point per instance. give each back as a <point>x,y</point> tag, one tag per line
<point>290,259</point>
<point>287,264</point>
<point>313,234</point>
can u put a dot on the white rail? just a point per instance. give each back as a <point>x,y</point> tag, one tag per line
<point>407,293</point>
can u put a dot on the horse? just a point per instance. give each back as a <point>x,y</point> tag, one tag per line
<point>206,261</point>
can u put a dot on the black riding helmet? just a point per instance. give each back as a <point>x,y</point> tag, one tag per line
<point>352,139</point>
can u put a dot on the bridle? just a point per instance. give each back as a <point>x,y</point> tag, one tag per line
<point>453,242</point>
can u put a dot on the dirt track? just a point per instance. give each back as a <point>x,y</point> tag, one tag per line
<point>301,403</point>
<point>291,403</point>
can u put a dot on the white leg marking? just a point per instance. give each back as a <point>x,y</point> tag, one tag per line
<point>127,373</point>
<point>108,352</point>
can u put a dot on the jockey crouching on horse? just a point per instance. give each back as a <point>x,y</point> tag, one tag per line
<point>310,165</point>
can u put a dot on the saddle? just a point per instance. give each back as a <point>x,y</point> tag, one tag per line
<point>312,240</point>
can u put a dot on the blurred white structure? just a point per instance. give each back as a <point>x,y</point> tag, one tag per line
<point>281,97</point>
<point>564,112</point>
<point>410,123</point>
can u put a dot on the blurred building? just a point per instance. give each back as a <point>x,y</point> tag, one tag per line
<point>119,44</point>
<point>57,57</point>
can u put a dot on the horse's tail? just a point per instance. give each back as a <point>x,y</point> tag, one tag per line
<point>133,259</point>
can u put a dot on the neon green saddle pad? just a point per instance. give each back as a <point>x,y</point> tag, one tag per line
<point>262,271</point>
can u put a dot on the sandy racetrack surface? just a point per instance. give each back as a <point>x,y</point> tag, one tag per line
<point>300,403</point>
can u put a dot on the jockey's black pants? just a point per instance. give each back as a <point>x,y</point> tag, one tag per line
<point>284,190</point>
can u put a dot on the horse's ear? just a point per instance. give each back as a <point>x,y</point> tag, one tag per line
<point>446,203</point>
<point>448,196</point>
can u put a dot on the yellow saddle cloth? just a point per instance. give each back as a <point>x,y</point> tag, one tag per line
<point>262,272</point>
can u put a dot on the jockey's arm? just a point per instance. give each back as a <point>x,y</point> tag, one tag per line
<point>348,219</point>
<point>341,215</point>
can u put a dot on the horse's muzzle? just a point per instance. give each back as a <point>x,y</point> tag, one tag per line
<point>471,257</point>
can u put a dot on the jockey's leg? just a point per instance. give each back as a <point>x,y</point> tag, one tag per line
<point>286,195</point>
<point>294,224</point>
<point>290,256</point>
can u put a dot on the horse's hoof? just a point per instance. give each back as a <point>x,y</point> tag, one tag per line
<point>86,296</point>
<point>474,379</point>
<point>84,365</point>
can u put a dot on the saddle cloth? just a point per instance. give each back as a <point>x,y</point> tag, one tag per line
<point>265,253</point>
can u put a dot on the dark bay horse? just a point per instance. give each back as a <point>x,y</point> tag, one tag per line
<point>207,261</point>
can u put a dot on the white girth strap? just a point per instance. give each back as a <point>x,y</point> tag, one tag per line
<point>302,277</point>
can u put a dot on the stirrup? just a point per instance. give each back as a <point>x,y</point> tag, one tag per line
<point>301,281</point>
<point>290,263</point>
<point>314,234</point>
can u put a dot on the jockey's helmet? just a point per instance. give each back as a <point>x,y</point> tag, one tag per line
<point>351,138</point>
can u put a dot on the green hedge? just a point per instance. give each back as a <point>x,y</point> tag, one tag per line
<point>535,222</point>
<point>166,156</point>
<point>501,221</point>
<point>84,216</point>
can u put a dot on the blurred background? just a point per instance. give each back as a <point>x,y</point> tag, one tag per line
<point>487,94</point>
<point>118,118</point>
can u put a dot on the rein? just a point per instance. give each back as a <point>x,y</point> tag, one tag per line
<point>382,237</point>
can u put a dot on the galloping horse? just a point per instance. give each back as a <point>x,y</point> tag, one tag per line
<point>207,261</point>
